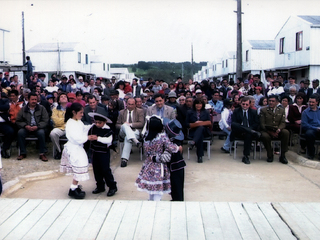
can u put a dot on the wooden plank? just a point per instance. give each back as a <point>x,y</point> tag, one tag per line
<point>228,225</point>
<point>243,221</point>
<point>259,221</point>
<point>31,219</point>
<point>308,227</point>
<point>63,220</point>
<point>315,206</point>
<point>14,220</point>
<point>210,221</point>
<point>287,218</point>
<point>80,220</point>
<point>11,208</point>
<point>46,221</point>
<point>279,226</point>
<point>145,221</point>
<point>129,221</point>
<point>111,224</point>
<point>96,219</point>
<point>194,221</point>
<point>4,202</point>
<point>178,228</point>
<point>313,216</point>
<point>162,221</point>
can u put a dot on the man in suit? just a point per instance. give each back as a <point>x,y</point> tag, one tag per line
<point>272,122</point>
<point>314,89</point>
<point>130,122</point>
<point>160,109</point>
<point>245,123</point>
<point>92,107</point>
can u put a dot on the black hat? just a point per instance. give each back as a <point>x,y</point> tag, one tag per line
<point>99,117</point>
<point>173,129</point>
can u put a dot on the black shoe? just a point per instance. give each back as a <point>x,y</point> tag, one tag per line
<point>270,159</point>
<point>4,154</point>
<point>224,150</point>
<point>111,192</point>
<point>245,160</point>
<point>57,156</point>
<point>283,160</point>
<point>77,193</point>
<point>98,190</point>
<point>124,162</point>
<point>200,160</point>
<point>191,145</point>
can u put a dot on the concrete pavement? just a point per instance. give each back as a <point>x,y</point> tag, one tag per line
<point>219,179</point>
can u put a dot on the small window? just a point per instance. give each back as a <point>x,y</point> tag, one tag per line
<point>104,67</point>
<point>247,56</point>
<point>222,64</point>
<point>226,63</point>
<point>87,59</point>
<point>299,41</point>
<point>79,57</point>
<point>281,46</point>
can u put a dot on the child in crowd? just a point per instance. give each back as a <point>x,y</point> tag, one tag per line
<point>225,123</point>
<point>74,158</point>
<point>99,146</point>
<point>154,176</point>
<point>177,163</point>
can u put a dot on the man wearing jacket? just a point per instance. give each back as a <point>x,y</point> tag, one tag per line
<point>32,119</point>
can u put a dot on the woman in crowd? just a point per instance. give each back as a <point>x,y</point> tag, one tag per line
<point>120,87</point>
<point>225,123</point>
<point>198,120</point>
<point>263,102</point>
<point>180,89</point>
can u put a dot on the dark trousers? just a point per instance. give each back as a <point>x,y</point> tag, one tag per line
<point>283,137</point>
<point>245,134</point>
<point>177,183</point>
<point>311,136</point>
<point>7,130</point>
<point>198,134</point>
<point>40,134</point>
<point>102,171</point>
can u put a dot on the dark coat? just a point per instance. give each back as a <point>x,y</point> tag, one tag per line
<point>40,115</point>
<point>253,118</point>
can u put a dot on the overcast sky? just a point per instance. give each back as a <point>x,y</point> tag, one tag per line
<point>128,31</point>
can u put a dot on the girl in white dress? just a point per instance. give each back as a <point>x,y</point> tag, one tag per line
<point>74,158</point>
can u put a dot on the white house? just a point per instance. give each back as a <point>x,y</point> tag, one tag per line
<point>99,66</point>
<point>297,48</point>
<point>257,55</point>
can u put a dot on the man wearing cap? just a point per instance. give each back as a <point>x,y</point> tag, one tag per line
<point>172,102</point>
<point>80,82</point>
<point>215,103</point>
<point>272,123</point>
<point>5,81</point>
<point>130,122</point>
<point>160,109</point>
<point>57,119</point>
<point>277,89</point>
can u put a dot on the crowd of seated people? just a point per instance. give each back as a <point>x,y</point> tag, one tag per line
<point>248,109</point>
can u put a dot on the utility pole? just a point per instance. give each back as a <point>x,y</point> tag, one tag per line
<point>182,71</point>
<point>23,42</point>
<point>192,60</point>
<point>239,39</point>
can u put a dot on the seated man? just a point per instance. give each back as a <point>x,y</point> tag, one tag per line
<point>244,124</point>
<point>130,122</point>
<point>273,125</point>
<point>160,109</point>
<point>310,122</point>
<point>92,107</point>
<point>32,119</point>
<point>215,103</point>
<point>5,126</point>
<point>58,123</point>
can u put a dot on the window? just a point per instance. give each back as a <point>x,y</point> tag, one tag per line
<point>87,59</point>
<point>281,46</point>
<point>299,41</point>
<point>104,67</point>
<point>247,56</point>
<point>222,64</point>
<point>226,63</point>
<point>79,57</point>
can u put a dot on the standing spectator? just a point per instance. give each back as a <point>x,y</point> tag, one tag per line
<point>32,119</point>
<point>136,88</point>
<point>29,69</point>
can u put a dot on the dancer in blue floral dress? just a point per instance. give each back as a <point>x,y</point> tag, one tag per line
<point>154,177</point>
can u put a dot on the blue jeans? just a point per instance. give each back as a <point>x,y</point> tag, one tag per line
<point>226,145</point>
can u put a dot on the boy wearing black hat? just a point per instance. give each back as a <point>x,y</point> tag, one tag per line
<point>100,148</point>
